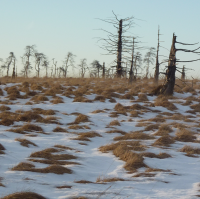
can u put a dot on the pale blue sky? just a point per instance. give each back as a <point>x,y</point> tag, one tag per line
<point>59,26</point>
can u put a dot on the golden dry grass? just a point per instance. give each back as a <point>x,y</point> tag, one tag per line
<point>165,140</point>
<point>164,129</point>
<point>81,118</point>
<point>116,131</point>
<point>85,136</point>
<point>24,195</point>
<point>57,169</point>
<point>153,155</point>
<point>134,135</point>
<point>59,129</point>
<point>25,142</point>
<point>114,123</point>
<point>48,154</point>
<point>108,179</point>
<point>151,127</point>
<point>185,135</point>
<point>189,150</point>
<point>4,108</point>
<point>142,98</point>
<point>76,126</point>
<point>163,101</point>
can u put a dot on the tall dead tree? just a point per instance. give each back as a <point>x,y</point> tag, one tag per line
<point>168,86</point>
<point>131,73</point>
<point>183,73</point>
<point>39,59</point>
<point>8,62</point>
<point>54,63</point>
<point>103,70</point>
<point>29,52</point>
<point>156,75</point>
<point>14,73</point>
<point>83,67</point>
<point>149,59</point>
<point>118,44</point>
<point>69,61</point>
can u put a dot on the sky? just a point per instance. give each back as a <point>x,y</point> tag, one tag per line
<point>57,27</point>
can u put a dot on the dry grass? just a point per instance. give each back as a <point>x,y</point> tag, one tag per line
<point>144,175</point>
<point>116,131</point>
<point>76,126</point>
<point>142,98</point>
<point>2,149</point>
<point>123,150</point>
<point>98,111</point>
<point>153,155</point>
<point>4,108</point>
<point>57,100</point>
<point>6,122</point>
<point>151,127</point>
<point>108,179</point>
<point>44,112</point>
<point>25,142</point>
<point>81,118</point>
<point>99,98</point>
<point>57,169</point>
<point>83,181</point>
<point>64,187</point>
<point>185,135</point>
<point>134,135</point>
<point>164,129</point>
<point>86,136</point>
<point>24,195</point>
<point>59,129</point>
<point>165,140</point>
<point>48,154</point>
<point>114,123</point>
<point>163,101</point>
<point>190,151</point>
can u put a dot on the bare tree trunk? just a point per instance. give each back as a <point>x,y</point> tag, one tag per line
<point>156,75</point>
<point>13,74</point>
<point>131,73</point>
<point>119,50</point>
<point>183,73</point>
<point>103,75</point>
<point>168,87</point>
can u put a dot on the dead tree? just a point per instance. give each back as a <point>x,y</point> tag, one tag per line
<point>54,63</point>
<point>168,86</point>
<point>39,59</point>
<point>156,75</point>
<point>96,66</point>
<point>83,67</point>
<point>117,44</point>
<point>13,73</point>
<point>29,52</point>
<point>131,73</point>
<point>183,73</point>
<point>9,61</point>
<point>103,70</point>
<point>69,61</point>
<point>149,59</point>
<point>45,64</point>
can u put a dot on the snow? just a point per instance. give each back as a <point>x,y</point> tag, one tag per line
<point>181,182</point>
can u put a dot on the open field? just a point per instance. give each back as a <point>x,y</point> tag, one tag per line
<point>95,138</point>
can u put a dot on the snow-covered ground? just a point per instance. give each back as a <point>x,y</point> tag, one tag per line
<point>181,181</point>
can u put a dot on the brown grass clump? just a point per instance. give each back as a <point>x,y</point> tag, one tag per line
<point>157,119</point>
<point>50,92</point>
<point>83,181</point>
<point>57,100</point>
<point>99,98</point>
<point>127,96</point>
<point>108,179</point>
<point>24,195</point>
<point>12,92</point>
<point>1,92</point>
<point>81,118</point>
<point>64,187</point>
<point>156,170</point>
<point>163,101</point>
<point>142,98</point>
<point>44,112</point>
<point>47,154</point>
<point>151,127</point>
<point>112,100</point>
<point>164,129</point>
<point>189,150</point>
<point>57,169</point>
<point>59,129</point>
<point>116,131</point>
<point>76,126</point>
<point>114,123</point>
<point>35,86</point>
<point>40,98</point>
<point>153,155</point>
<point>98,111</point>
<point>6,122</point>
<point>25,142</point>
<point>4,108</point>
<point>188,89</point>
<point>144,175</point>
<point>28,116</point>
<point>87,135</point>
<point>134,135</point>
<point>165,140</point>
<point>119,107</point>
<point>185,135</point>
<point>2,148</point>
<point>134,113</point>
<point>31,127</point>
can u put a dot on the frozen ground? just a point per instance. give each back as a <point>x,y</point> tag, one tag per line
<point>182,180</point>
